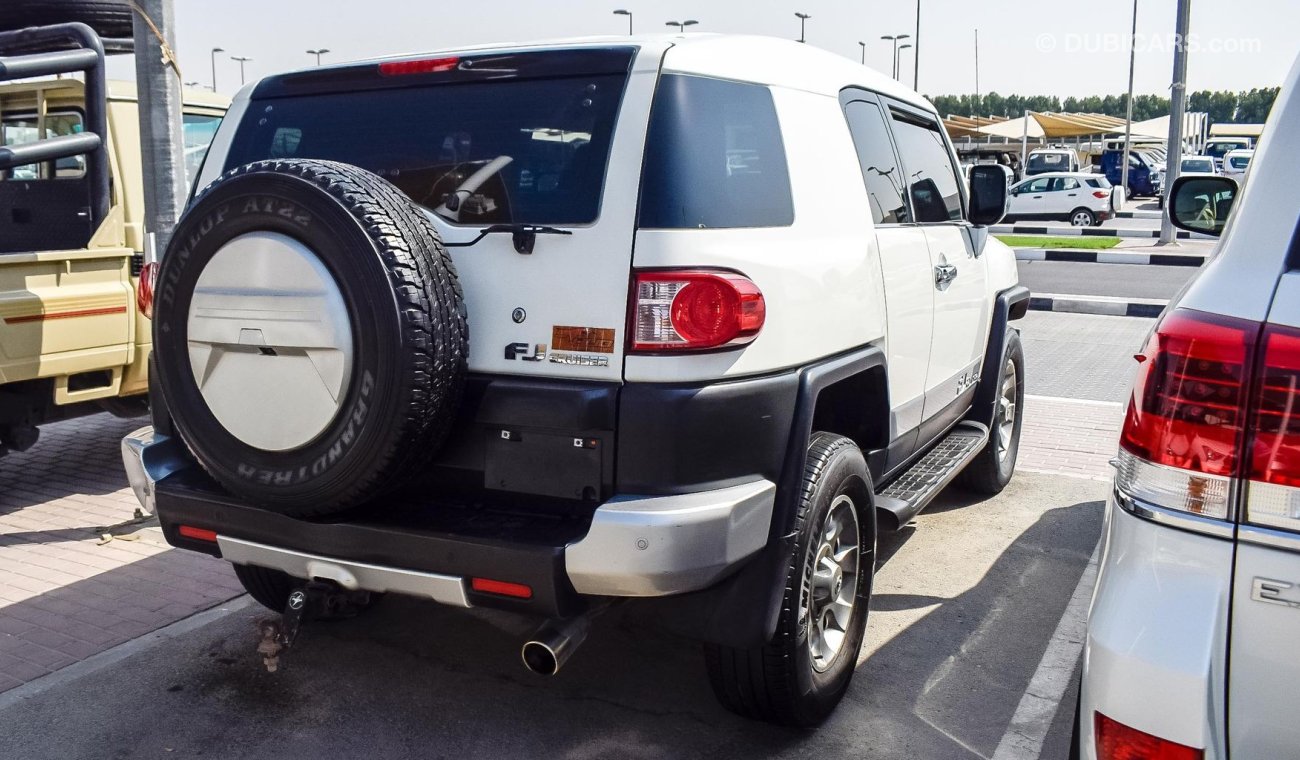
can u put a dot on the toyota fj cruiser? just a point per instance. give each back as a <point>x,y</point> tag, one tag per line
<point>674,319</point>
<point>71,236</point>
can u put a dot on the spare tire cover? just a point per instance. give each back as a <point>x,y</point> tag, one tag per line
<point>310,335</point>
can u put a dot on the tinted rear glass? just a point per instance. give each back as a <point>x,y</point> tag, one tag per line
<point>714,157</point>
<point>524,151</point>
<point>1049,162</point>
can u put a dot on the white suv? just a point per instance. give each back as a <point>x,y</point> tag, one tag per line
<point>672,319</point>
<point>1189,652</point>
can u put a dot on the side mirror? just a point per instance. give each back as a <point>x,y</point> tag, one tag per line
<point>1202,204</point>
<point>988,195</point>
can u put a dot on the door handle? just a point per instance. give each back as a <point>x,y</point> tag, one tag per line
<point>944,274</point>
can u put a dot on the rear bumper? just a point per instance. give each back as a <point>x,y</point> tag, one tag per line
<point>630,546</point>
<point>1155,655</point>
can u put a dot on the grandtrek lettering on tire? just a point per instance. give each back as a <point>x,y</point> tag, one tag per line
<point>307,428</point>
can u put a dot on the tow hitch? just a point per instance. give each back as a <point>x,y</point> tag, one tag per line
<point>317,600</point>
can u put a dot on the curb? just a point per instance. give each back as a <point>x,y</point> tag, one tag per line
<point>1109,257</point>
<point>1102,305</point>
<point>1090,232</point>
<point>1139,215</point>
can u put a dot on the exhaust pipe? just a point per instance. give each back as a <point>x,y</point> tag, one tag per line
<point>555,642</point>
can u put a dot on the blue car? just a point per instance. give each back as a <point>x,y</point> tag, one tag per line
<point>1144,176</point>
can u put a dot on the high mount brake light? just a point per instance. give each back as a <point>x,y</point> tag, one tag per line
<point>421,66</point>
<point>687,310</point>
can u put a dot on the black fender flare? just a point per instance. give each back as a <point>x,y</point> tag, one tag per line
<point>1010,304</point>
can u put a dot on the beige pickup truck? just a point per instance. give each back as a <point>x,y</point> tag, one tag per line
<point>72,340</point>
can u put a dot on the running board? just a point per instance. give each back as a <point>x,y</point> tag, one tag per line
<point>910,492</point>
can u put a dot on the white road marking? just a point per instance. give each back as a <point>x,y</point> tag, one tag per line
<point>1033,718</point>
<point>1068,400</point>
<point>122,651</point>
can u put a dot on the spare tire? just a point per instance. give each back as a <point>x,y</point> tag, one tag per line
<point>310,335</point>
<point>109,18</point>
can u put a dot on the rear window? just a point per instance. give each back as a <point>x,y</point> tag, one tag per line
<point>1100,182</point>
<point>1049,162</point>
<point>714,157</point>
<point>1239,162</point>
<point>479,152</point>
<point>23,129</point>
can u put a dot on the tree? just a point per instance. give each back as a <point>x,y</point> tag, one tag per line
<point>1250,107</point>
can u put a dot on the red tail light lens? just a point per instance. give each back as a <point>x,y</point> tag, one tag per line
<point>422,66</point>
<point>1100,194</point>
<point>1116,741</point>
<point>144,291</point>
<point>1275,446</point>
<point>693,310</point>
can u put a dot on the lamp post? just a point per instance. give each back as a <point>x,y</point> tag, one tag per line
<point>1128,119</point>
<point>681,25</point>
<point>318,54</point>
<point>1177,111</point>
<point>897,58</point>
<point>242,60</point>
<point>621,12</point>
<point>803,19</point>
<point>894,38</point>
<point>863,45</point>
<point>214,66</point>
<point>916,54</point>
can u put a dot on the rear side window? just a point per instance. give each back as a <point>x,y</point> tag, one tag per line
<point>19,130</point>
<point>880,172</point>
<point>1100,182</point>
<point>714,157</point>
<point>932,181</point>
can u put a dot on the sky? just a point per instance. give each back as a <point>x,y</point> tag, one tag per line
<point>1027,47</point>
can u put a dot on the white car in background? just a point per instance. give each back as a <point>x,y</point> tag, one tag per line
<point>1236,162</point>
<point>1198,165</point>
<point>1191,643</point>
<point>1083,200</point>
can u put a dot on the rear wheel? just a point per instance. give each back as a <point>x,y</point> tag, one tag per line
<point>991,469</point>
<point>1082,217</point>
<point>799,677</point>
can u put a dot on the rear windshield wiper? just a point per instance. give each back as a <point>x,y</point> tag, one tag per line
<point>523,235</point>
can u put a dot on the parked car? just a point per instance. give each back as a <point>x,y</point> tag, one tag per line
<point>1045,160</point>
<point>1145,174</point>
<point>1190,645</point>
<point>719,442</point>
<point>1198,165</point>
<point>1083,200</point>
<point>72,341</point>
<point>1235,164</point>
<point>1218,147</point>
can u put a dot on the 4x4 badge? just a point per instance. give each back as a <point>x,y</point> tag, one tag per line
<point>522,351</point>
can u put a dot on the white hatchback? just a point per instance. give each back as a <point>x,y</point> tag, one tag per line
<point>1190,650</point>
<point>1083,200</point>
<point>1236,163</point>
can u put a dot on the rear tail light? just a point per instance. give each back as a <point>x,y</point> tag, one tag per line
<point>1116,741</point>
<point>144,291</point>
<point>421,66</point>
<point>1100,194</point>
<point>1274,497</point>
<point>1186,421</point>
<point>694,310</point>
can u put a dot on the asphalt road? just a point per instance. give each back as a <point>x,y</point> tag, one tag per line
<point>1123,280</point>
<point>966,599</point>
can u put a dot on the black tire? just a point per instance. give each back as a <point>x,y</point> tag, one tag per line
<point>407,318</point>
<point>269,588</point>
<point>777,682</point>
<point>109,18</point>
<point>1083,213</point>
<point>990,471</point>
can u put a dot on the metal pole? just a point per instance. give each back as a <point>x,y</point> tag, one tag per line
<point>1024,146</point>
<point>916,51</point>
<point>977,67</point>
<point>162,150</point>
<point>1128,125</point>
<point>214,66</point>
<point>895,70</point>
<point>863,45</point>
<point>1177,107</point>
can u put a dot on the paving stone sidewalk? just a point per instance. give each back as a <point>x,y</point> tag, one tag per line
<point>64,595</point>
<point>1070,437</point>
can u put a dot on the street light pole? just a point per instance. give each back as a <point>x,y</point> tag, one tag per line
<point>916,52</point>
<point>803,18</point>
<point>1128,125</point>
<point>622,12</point>
<point>681,25</point>
<point>242,60</point>
<point>898,58</point>
<point>318,54</point>
<point>863,45</point>
<point>1177,109</point>
<point>214,66</point>
<point>894,39</point>
<point>977,69</point>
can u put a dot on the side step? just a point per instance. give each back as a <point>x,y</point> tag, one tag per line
<point>910,492</point>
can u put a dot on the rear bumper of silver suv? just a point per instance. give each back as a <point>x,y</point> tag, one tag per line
<point>635,546</point>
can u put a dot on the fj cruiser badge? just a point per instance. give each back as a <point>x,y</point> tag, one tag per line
<point>523,352</point>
